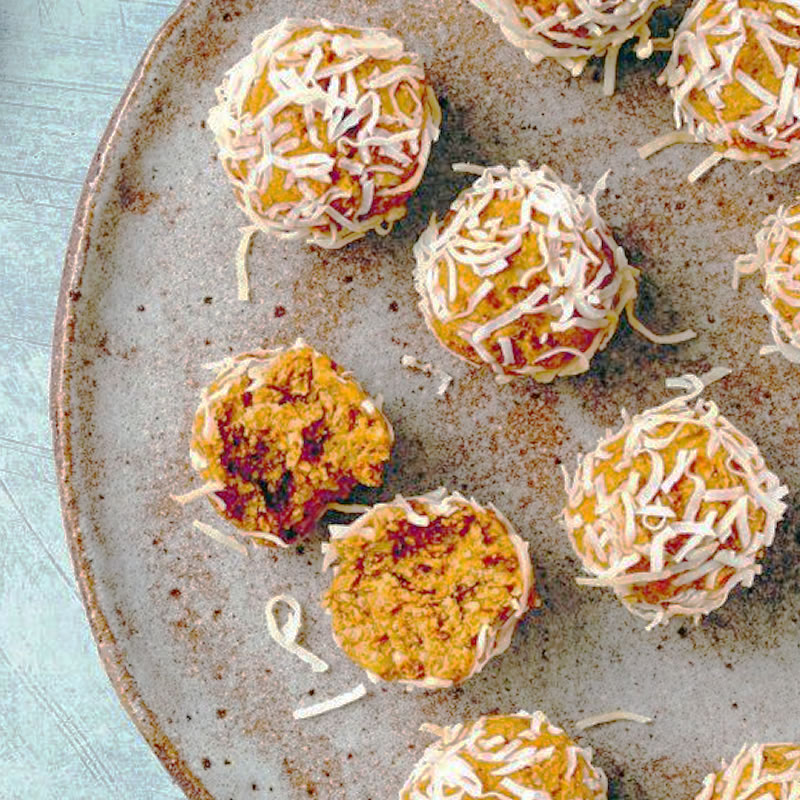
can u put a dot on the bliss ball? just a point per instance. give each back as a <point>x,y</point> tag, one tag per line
<point>324,130</point>
<point>673,510</point>
<point>279,434</point>
<point>777,261</point>
<point>524,276</point>
<point>573,31</point>
<point>426,590</point>
<point>733,78</point>
<point>514,757</point>
<point>758,771</point>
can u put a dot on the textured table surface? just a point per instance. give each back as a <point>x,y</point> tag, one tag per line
<point>63,66</point>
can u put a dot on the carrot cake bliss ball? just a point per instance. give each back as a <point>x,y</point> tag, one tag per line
<point>280,434</point>
<point>673,510</point>
<point>513,757</point>
<point>733,78</point>
<point>573,31</point>
<point>426,590</point>
<point>777,260</point>
<point>765,771</point>
<point>523,275</point>
<point>324,130</point>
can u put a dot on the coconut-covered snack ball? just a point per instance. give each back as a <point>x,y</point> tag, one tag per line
<point>515,757</point>
<point>763,771</point>
<point>279,434</point>
<point>573,31</point>
<point>426,590</point>
<point>733,79</point>
<point>674,509</point>
<point>324,130</point>
<point>777,260</point>
<point>523,275</point>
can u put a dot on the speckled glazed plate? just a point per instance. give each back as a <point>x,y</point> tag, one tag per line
<point>149,296</point>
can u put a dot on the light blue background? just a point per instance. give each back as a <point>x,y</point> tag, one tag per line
<point>63,66</point>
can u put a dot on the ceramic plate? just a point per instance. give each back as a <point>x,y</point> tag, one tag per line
<point>149,296</point>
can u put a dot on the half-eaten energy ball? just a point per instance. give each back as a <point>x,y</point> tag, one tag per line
<point>427,589</point>
<point>280,434</point>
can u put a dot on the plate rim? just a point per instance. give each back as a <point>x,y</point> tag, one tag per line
<point>60,409</point>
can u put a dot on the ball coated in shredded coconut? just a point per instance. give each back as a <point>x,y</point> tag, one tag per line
<point>733,78</point>
<point>522,275</point>
<point>777,260</point>
<point>573,31</point>
<point>758,771</point>
<point>324,130</point>
<point>515,757</point>
<point>673,510</point>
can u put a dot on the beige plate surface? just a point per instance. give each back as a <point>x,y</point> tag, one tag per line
<point>149,295</point>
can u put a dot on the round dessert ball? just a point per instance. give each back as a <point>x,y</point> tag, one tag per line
<point>573,31</point>
<point>523,275</point>
<point>758,771</point>
<point>777,259</point>
<point>426,590</point>
<point>279,434</point>
<point>519,756</point>
<point>674,509</point>
<point>324,130</point>
<point>733,78</point>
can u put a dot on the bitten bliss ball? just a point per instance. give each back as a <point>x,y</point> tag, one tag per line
<point>324,130</point>
<point>733,77</point>
<point>573,31</point>
<point>279,434</point>
<point>673,510</point>
<point>515,757</point>
<point>777,260</point>
<point>763,771</point>
<point>523,275</point>
<point>427,589</point>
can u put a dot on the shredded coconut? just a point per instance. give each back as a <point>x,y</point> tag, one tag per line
<point>288,94</point>
<point>500,757</point>
<point>219,536</point>
<point>639,327</point>
<point>427,368</point>
<point>756,768</point>
<point>242,280</point>
<point>286,635</point>
<point>583,279</point>
<point>662,142</point>
<point>777,260</point>
<point>611,716</point>
<point>201,491</point>
<point>620,520</point>
<point>350,696</point>
<point>412,362</point>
